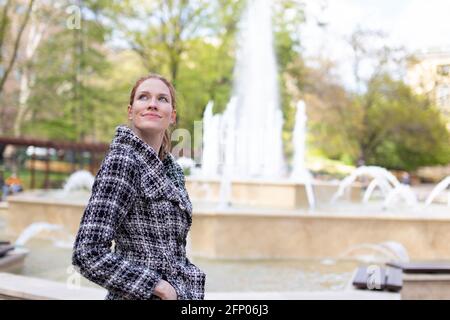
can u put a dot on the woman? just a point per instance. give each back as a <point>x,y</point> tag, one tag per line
<point>139,201</point>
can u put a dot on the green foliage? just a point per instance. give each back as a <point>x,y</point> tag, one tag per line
<point>411,131</point>
<point>192,44</point>
<point>290,64</point>
<point>66,97</point>
<point>82,80</point>
<point>202,78</point>
<point>389,126</point>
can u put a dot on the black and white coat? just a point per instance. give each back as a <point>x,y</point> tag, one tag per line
<point>140,203</point>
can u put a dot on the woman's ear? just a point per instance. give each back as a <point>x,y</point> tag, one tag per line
<point>173,117</point>
<point>130,117</point>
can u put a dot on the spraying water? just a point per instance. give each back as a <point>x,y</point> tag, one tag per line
<point>79,180</point>
<point>59,237</point>
<point>252,124</point>
<point>300,173</point>
<point>389,250</point>
<point>389,185</point>
<point>211,137</point>
<point>33,230</point>
<point>440,187</point>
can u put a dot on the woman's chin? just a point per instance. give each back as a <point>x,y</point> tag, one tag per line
<point>150,127</point>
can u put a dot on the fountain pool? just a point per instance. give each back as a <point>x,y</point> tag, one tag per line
<point>52,262</point>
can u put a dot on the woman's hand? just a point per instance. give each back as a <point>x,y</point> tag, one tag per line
<point>165,290</point>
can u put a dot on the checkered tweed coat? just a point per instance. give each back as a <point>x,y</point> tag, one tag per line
<point>140,203</point>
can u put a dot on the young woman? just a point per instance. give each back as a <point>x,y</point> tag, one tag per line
<point>140,203</point>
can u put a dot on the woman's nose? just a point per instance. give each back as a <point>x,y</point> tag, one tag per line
<point>153,103</point>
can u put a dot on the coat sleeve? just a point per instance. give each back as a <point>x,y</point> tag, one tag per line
<point>113,194</point>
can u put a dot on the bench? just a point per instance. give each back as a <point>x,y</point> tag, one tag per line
<point>425,280</point>
<point>422,267</point>
<point>378,278</point>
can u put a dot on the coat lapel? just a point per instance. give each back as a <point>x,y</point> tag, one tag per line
<point>176,177</point>
<point>161,178</point>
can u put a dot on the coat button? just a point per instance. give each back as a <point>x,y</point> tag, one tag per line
<point>182,207</point>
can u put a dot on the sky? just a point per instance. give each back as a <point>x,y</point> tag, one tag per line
<point>417,25</point>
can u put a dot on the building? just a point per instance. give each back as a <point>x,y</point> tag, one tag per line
<point>429,73</point>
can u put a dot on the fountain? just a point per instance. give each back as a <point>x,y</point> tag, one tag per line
<point>33,230</point>
<point>211,127</point>
<point>187,164</point>
<point>300,173</point>
<point>37,209</point>
<point>247,207</point>
<point>242,160</point>
<point>14,259</point>
<point>251,133</point>
<point>388,251</point>
<point>79,180</point>
<point>57,233</point>
<point>247,204</point>
<point>389,185</point>
<point>253,130</point>
<point>440,187</point>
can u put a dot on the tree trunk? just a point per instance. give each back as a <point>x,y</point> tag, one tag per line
<point>33,40</point>
<point>17,41</point>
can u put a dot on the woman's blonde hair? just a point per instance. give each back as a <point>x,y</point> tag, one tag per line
<point>166,145</point>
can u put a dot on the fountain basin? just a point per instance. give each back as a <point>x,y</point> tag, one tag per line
<point>326,232</point>
<point>283,194</point>
<point>13,260</point>
<point>249,232</point>
<point>50,206</point>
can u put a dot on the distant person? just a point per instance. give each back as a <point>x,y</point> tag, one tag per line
<point>140,202</point>
<point>405,178</point>
<point>12,185</point>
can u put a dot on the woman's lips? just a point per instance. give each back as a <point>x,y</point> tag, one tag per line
<point>151,116</point>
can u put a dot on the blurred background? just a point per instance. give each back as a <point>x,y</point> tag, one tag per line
<point>372,78</point>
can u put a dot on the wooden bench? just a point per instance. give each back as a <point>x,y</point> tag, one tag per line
<point>425,280</point>
<point>426,267</point>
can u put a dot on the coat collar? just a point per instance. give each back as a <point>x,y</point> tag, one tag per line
<point>165,176</point>
<point>125,137</point>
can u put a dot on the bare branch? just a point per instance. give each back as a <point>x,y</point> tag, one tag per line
<point>3,25</point>
<point>16,46</point>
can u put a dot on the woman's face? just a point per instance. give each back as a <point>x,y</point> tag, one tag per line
<point>151,111</point>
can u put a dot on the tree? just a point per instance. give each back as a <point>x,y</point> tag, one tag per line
<point>10,39</point>
<point>14,18</point>
<point>402,130</point>
<point>40,20</point>
<point>66,97</point>
<point>288,19</point>
<point>161,42</point>
<point>383,122</point>
<point>332,115</point>
<point>190,42</point>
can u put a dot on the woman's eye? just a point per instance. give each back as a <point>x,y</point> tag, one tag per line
<point>141,97</point>
<point>163,99</point>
